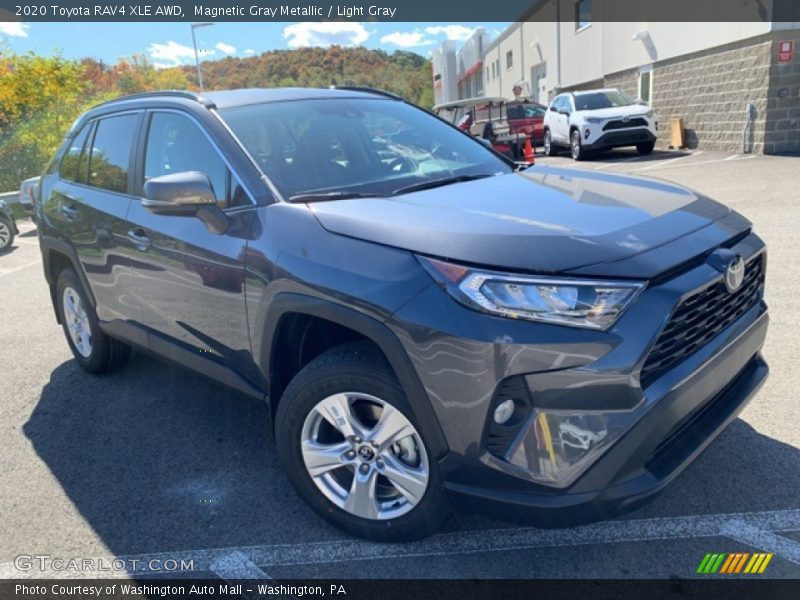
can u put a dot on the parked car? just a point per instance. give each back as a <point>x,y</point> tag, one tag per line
<point>527,118</point>
<point>429,325</point>
<point>598,120</point>
<point>486,119</point>
<point>8,227</point>
<point>27,194</point>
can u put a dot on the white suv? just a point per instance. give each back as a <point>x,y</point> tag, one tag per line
<point>598,120</point>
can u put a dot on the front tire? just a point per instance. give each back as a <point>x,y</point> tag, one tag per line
<point>352,449</point>
<point>6,235</point>
<point>93,350</point>
<point>549,149</point>
<point>645,148</point>
<point>576,149</point>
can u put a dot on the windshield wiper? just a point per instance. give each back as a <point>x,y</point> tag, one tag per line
<point>434,183</point>
<point>331,196</point>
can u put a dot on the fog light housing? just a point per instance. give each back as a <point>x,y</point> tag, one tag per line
<point>560,445</point>
<point>504,411</point>
<point>586,134</point>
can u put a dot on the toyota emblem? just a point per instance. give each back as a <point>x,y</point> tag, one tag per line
<point>734,274</point>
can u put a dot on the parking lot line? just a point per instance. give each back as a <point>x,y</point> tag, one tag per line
<point>19,268</point>
<point>235,565</point>
<point>670,161</point>
<point>734,158</point>
<point>472,542</point>
<point>611,163</point>
<point>784,547</point>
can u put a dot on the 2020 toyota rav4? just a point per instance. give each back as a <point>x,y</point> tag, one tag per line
<point>429,325</point>
<point>598,120</point>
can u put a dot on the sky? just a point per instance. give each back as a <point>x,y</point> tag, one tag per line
<point>170,44</point>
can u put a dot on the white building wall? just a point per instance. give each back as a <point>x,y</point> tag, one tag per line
<point>602,48</point>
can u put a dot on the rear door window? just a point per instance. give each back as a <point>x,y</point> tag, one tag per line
<point>110,157</point>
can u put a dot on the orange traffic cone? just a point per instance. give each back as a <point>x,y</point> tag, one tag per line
<point>529,158</point>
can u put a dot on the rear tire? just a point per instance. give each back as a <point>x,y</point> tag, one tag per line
<point>6,235</point>
<point>337,387</point>
<point>93,350</point>
<point>645,148</point>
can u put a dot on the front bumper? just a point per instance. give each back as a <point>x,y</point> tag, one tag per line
<point>651,454</point>
<point>620,137</point>
<point>463,362</point>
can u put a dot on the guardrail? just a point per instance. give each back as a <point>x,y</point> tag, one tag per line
<point>10,197</point>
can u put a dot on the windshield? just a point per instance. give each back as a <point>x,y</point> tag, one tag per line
<point>355,146</point>
<point>596,100</point>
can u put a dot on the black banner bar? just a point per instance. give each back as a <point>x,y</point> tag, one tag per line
<point>721,588</point>
<point>398,10</point>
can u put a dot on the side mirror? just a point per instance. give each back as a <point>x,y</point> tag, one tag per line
<point>485,142</point>
<point>186,194</point>
<point>553,109</point>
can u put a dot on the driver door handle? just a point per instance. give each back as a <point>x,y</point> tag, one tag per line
<point>139,237</point>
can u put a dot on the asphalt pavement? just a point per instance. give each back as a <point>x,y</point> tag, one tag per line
<point>156,463</point>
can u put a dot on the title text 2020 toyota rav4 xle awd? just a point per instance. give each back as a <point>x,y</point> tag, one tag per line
<point>429,326</point>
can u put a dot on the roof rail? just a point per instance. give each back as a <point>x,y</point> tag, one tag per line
<point>171,93</point>
<point>368,90</point>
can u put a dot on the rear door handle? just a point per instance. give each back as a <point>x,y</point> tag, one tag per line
<point>139,237</point>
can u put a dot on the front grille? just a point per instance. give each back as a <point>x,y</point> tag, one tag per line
<point>638,122</point>
<point>700,318</point>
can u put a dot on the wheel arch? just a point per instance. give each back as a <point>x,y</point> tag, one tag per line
<point>57,255</point>
<point>286,305</point>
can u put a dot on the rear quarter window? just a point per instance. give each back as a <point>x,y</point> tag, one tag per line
<point>68,169</point>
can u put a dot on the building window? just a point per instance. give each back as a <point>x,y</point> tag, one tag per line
<point>646,83</point>
<point>437,77</point>
<point>509,59</point>
<point>487,73</point>
<point>583,14</point>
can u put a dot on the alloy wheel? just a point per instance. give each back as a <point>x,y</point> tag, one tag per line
<point>365,456</point>
<point>576,144</point>
<point>5,235</point>
<point>77,321</point>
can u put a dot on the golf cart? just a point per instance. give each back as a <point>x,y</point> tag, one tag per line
<point>485,118</point>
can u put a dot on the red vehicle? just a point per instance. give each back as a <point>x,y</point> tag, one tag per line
<point>527,118</point>
<point>486,118</point>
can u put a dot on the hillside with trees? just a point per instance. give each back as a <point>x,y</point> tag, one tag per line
<point>40,96</point>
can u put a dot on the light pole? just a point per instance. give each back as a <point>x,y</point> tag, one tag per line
<point>197,56</point>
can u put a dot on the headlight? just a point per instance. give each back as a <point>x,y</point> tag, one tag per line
<point>560,301</point>
<point>594,120</point>
<point>650,114</point>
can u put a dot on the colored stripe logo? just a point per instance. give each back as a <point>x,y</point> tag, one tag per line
<point>735,562</point>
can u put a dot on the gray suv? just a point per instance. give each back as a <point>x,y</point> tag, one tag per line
<point>430,325</point>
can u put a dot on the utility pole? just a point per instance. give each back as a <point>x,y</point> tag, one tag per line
<point>196,55</point>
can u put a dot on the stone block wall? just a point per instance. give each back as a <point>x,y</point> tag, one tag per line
<point>782,128</point>
<point>711,91</point>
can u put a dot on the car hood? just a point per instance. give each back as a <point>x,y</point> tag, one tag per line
<point>541,220</point>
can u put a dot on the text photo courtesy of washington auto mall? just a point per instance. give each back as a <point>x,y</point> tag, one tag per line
<point>399,299</point>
